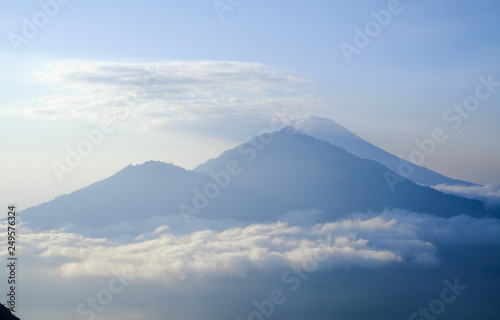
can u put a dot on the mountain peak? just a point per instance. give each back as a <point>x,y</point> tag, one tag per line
<point>314,123</point>
<point>332,132</point>
<point>259,180</point>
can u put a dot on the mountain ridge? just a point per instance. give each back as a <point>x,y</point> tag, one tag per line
<point>334,133</point>
<point>292,172</point>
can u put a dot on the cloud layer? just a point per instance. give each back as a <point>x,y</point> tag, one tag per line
<point>171,96</point>
<point>393,237</point>
<point>232,252</point>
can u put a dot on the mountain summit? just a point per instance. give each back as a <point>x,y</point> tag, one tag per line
<point>332,132</point>
<point>295,171</point>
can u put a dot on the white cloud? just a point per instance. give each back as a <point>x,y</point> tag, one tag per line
<point>231,252</point>
<point>459,229</point>
<point>365,240</point>
<point>169,95</point>
<point>489,193</point>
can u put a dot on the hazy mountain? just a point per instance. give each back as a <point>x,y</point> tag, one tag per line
<point>297,172</point>
<point>257,181</point>
<point>134,193</point>
<point>330,131</point>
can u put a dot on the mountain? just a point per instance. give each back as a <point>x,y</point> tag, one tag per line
<point>330,131</point>
<point>5,313</point>
<point>257,181</point>
<point>134,193</point>
<point>298,172</point>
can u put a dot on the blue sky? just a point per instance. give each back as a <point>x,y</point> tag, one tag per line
<point>219,80</point>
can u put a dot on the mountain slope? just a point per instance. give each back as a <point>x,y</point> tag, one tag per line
<point>330,131</point>
<point>136,192</point>
<point>255,182</point>
<point>297,172</point>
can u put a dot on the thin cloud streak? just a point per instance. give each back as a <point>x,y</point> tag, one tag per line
<point>489,193</point>
<point>168,96</point>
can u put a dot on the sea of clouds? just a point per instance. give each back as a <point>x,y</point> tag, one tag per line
<point>230,249</point>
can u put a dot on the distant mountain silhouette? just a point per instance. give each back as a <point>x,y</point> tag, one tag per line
<point>330,131</point>
<point>292,172</point>
<point>5,313</point>
<point>296,172</point>
<point>134,193</point>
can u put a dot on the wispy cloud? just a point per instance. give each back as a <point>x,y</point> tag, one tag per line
<point>489,194</point>
<point>167,95</point>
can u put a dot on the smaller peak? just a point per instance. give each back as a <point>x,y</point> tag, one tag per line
<point>314,123</point>
<point>288,130</point>
<point>156,163</point>
<point>151,166</point>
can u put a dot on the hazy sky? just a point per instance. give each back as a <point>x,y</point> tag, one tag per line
<point>182,81</point>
